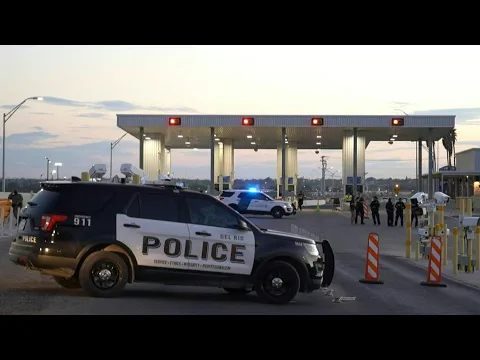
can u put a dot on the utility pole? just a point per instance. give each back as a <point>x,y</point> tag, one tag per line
<point>324,169</point>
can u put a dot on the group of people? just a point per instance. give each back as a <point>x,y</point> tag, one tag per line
<point>394,211</point>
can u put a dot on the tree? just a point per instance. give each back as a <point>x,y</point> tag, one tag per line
<point>448,142</point>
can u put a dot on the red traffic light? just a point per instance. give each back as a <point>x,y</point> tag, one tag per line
<point>248,122</point>
<point>397,122</point>
<point>317,122</point>
<point>174,121</point>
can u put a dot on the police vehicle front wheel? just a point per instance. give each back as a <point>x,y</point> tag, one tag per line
<point>70,283</point>
<point>103,274</point>
<point>277,212</point>
<point>277,282</point>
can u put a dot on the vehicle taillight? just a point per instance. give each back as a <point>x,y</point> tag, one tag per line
<point>49,221</point>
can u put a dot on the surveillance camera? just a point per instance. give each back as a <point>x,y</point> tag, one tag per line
<point>317,152</point>
<point>470,222</point>
<point>441,198</point>
<point>390,142</point>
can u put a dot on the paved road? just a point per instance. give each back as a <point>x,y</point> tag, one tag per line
<point>27,292</point>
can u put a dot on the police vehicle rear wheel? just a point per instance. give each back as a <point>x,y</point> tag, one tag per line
<point>277,283</point>
<point>103,274</point>
<point>237,291</point>
<point>277,212</point>
<point>70,283</point>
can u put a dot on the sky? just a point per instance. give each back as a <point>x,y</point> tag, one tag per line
<point>84,87</point>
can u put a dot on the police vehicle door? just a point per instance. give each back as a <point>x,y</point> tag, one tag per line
<point>151,228</point>
<point>217,245</point>
<point>260,202</point>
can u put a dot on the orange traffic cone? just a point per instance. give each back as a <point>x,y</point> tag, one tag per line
<point>434,275</point>
<point>372,267</point>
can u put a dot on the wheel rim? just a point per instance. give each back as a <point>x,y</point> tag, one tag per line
<point>105,274</point>
<point>277,212</point>
<point>277,283</point>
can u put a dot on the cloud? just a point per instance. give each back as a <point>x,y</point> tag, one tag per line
<point>113,105</point>
<point>10,107</point>
<point>463,115</point>
<point>41,113</point>
<point>29,139</point>
<point>91,115</point>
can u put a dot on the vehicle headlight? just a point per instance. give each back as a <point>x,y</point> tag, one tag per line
<point>312,249</point>
<point>286,205</point>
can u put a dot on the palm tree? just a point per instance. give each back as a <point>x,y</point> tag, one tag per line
<point>448,142</point>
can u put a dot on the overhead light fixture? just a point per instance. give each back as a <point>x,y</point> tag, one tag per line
<point>249,136</point>
<point>395,136</point>
<point>144,135</point>
<point>187,142</point>
<point>319,136</point>
<point>392,139</point>
<point>180,136</point>
<point>217,139</point>
<point>318,143</point>
<point>286,141</point>
<point>195,149</point>
<point>148,138</point>
<point>253,143</point>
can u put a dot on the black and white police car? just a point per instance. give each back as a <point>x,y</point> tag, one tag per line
<point>255,202</point>
<point>101,236</point>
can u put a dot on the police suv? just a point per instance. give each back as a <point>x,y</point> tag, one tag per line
<point>101,236</point>
<point>256,203</point>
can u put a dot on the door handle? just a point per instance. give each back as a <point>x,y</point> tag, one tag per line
<point>203,233</point>
<point>132,225</point>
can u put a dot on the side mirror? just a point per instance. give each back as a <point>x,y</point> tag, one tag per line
<point>242,225</point>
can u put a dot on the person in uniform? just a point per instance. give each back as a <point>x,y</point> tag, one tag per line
<point>390,208</point>
<point>359,211</point>
<point>300,200</point>
<point>352,210</point>
<point>416,210</point>
<point>17,202</point>
<point>375,207</point>
<point>399,207</point>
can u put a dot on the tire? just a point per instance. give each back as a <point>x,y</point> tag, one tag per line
<point>70,283</point>
<point>277,212</point>
<point>268,274</point>
<point>90,274</point>
<point>237,291</point>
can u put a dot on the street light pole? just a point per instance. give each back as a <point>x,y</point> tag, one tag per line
<point>58,164</point>
<point>6,117</point>
<point>112,146</point>
<point>48,166</point>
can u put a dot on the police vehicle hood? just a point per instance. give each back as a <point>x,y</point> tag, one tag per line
<point>288,236</point>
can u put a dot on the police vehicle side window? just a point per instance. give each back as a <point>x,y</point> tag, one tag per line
<point>133,210</point>
<point>259,196</point>
<point>162,207</point>
<point>204,211</point>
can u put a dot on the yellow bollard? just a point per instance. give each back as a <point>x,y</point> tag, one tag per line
<point>408,240</point>
<point>469,255</point>
<point>455,251</point>
<point>441,221</point>
<point>477,245</point>
<point>469,207</point>
<point>85,176</point>
<point>445,244</point>
<point>136,179</point>
<point>461,247</point>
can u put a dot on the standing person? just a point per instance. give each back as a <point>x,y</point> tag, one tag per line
<point>352,210</point>
<point>390,208</point>
<point>375,207</point>
<point>17,202</point>
<point>300,200</point>
<point>359,211</point>
<point>399,207</point>
<point>415,212</point>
